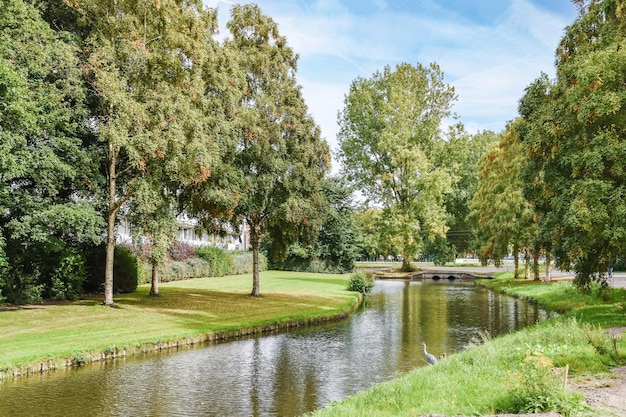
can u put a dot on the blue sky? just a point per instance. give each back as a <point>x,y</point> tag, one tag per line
<point>489,50</point>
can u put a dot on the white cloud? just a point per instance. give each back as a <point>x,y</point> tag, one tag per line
<point>489,60</point>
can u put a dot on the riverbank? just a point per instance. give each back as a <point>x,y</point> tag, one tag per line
<point>40,338</point>
<point>521,372</point>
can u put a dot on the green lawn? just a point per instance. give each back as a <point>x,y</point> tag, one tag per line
<point>189,309</point>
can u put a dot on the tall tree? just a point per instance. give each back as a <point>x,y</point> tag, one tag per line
<point>462,153</point>
<point>143,64</point>
<point>504,219</point>
<point>48,173</point>
<point>575,140</point>
<point>279,157</point>
<point>390,148</point>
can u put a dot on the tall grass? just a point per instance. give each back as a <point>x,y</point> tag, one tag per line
<point>518,373</point>
<point>523,372</point>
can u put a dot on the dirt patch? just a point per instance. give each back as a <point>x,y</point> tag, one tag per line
<point>607,393</point>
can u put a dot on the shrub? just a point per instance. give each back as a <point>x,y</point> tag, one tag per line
<point>182,251</point>
<point>242,263</point>
<point>127,269</point>
<point>361,282</point>
<point>181,270</point>
<point>220,260</point>
<point>67,279</point>
<point>198,267</point>
<point>536,386</point>
<point>23,288</point>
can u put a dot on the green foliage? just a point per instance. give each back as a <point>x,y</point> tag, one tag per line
<point>441,249</point>
<point>126,263</point>
<point>145,67</point>
<point>462,154</point>
<point>187,269</point>
<point>573,135</point>
<point>336,246</point>
<point>504,219</point>
<point>4,268</point>
<point>220,260</point>
<point>391,147</point>
<point>536,386</point>
<point>51,270</point>
<point>277,157</point>
<point>242,263</point>
<point>24,288</point>
<point>127,267</point>
<point>48,170</point>
<point>361,282</point>
<point>68,278</point>
<point>371,245</point>
<point>201,267</point>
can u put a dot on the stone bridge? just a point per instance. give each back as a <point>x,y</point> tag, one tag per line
<point>435,274</point>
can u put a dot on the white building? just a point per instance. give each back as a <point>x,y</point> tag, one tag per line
<point>190,233</point>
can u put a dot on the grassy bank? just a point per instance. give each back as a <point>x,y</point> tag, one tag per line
<point>521,372</point>
<point>186,312</point>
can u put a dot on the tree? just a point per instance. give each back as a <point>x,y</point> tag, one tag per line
<point>390,147</point>
<point>279,158</point>
<point>462,153</point>
<point>335,246</point>
<point>48,171</point>
<point>367,220</point>
<point>503,217</point>
<point>155,226</point>
<point>338,239</point>
<point>574,138</point>
<point>144,63</point>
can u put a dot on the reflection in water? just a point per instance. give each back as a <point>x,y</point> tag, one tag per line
<point>285,374</point>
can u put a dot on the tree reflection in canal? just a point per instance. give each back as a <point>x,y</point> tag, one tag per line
<point>284,374</point>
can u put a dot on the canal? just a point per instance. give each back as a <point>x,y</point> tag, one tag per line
<point>283,374</point>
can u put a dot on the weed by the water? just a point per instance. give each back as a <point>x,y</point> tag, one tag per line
<point>538,386</point>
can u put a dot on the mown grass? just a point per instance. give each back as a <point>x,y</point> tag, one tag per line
<point>600,307</point>
<point>185,309</point>
<point>516,373</point>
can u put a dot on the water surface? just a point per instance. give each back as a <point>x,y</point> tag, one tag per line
<point>285,374</point>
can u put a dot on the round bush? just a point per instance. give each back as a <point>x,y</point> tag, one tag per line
<point>361,282</point>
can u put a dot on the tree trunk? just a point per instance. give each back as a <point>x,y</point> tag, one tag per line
<point>154,282</point>
<point>255,240</point>
<point>110,243</point>
<point>516,261</point>
<point>527,262</point>
<point>536,264</point>
<point>548,267</point>
<point>406,264</point>
<point>110,257</point>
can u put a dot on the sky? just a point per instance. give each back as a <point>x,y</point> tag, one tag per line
<point>489,50</point>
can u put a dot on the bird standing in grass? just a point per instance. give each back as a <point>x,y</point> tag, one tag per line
<point>429,358</point>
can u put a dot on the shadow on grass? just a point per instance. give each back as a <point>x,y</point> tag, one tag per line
<point>332,281</point>
<point>208,310</point>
